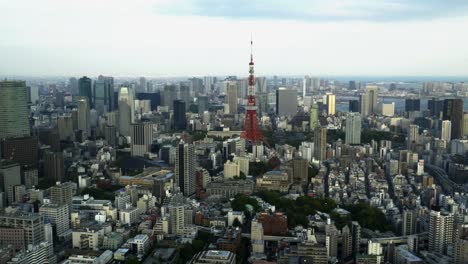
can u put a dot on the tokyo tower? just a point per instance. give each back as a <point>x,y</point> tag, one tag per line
<point>251,131</point>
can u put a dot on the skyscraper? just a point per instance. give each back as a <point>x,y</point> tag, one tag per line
<point>154,98</point>
<point>446,133</point>
<point>202,104</point>
<point>54,166</point>
<point>126,110</point>
<point>208,83</point>
<point>356,237</point>
<point>14,117</point>
<point>196,85</point>
<point>85,89</point>
<point>306,84</point>
<point>23,150</point>
<point>353,129</point>
<point>10,176</point>
<point>300,170</point>
<point>354,106</point>
<point>453,111</point>
<point>286,102</point>
<point>465,125</point>
<point>180,119</point>
<point>65,127</point>
<point>62,193</point>
<point>412,104</point>
<point>369,100</point>
<point>185,168</point>
<point>104,94</point>
<point>59,215</point>
<point>331,105</point>
<point>314,115</point>
<point>435,106</point>
<point>409,222</point>
<point>320,143</point>
<point>413,136</point>
<point>142,138</point>
<point>231,97</point>
<point>169,95</point>
<point>84,121</point>
<point>440,231</point>
<point>184,92</point>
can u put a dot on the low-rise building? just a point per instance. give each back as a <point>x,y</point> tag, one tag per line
<point>214,257</point>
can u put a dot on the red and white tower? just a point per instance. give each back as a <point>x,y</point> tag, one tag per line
<point>251,130</point>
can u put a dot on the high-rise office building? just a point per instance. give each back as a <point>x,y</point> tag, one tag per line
<point>86,90</point>
<point>453,111</point>
<point>388,109</point>
<point>300,170</point>
<point>440,231</point>
<point>154,98</point>
<point>126,110</point>
<point>110,135</point>
<point>185,96</point>
<point>286,102</point>
<point>196,85</point>
<point>231,97</point>
<point>62,193</point>
<point>314,116</point>
<point>354,106</point>
<point>460,252</point>
<point>446,133</point>
<point>30,176</point>
<point>104,94</point>
<point>412,104</point>
<point>347,243</point>
<point>59,216</point>
<point>320,143</point>
<point>369,100</point>
<point>413,135</point>
<point>352,85</point>
<point>180,119</point>
<point>84,117</point>
<point>409,222</point>
<point>10,176</point>
<point>23,150</point>
<point>185,168</point>
<point>169,95</point>
<point>465,125</point>
<point>356,237</point>
<point>306,85</point>
<point>260,85</point>
<point>32,225</point>
<point>435,106</point>
<point>14,117</point>
<point>54,166</point>
<point>65,127</point>
<point>202,104</point>
<point>142,138</point>
<point>353,129</point>
<point>208,83</point>
<point>331,103</point>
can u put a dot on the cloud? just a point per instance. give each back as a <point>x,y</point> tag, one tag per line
<point>317,10</point>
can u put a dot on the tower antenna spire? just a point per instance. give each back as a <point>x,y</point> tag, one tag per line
<point>251,129</point>
<point>251,48</point>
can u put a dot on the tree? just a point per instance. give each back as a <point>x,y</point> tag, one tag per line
<point>236,223</point>
<point>198,245</point>
<point>132,260</point>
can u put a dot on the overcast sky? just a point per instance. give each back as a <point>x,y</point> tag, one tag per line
<point>157,38</point>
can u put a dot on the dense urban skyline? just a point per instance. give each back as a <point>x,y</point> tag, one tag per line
<point>183,38</point>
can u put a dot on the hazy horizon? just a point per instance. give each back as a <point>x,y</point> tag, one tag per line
<point>165,38</point>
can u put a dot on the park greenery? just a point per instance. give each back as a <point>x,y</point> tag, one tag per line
<point>298,210</point>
